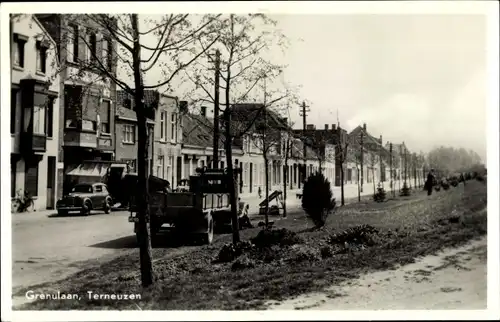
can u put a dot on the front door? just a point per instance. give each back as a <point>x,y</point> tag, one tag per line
<point>180,164</point>
<point>51,181</point>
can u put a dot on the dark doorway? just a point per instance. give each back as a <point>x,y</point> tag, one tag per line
<point>251,177</point>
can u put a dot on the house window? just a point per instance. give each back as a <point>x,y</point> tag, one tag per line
<point>105,53</point>
<point>41,57</point>
<point>105,117</point>
<point>169,169</point>
<point>31,178</point>
<point>173,137</point>
<point>72,45</point>
<point>245,167</point>
<point>162,125</point>
<point>19,42</point>
<point>129,133</point>
<point>91,46</point>
<point>13,108</point>
<point>161,166</point>
<point>39,120</point>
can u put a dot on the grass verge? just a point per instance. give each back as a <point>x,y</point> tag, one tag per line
<point>409,227</point>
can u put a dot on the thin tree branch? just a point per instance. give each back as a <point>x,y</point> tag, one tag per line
<point>181,67</point>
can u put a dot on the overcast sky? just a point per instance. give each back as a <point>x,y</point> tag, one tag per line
<point>417,78</point>
<point>420,79</point>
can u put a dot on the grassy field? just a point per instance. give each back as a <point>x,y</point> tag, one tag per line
<point>409,227</point>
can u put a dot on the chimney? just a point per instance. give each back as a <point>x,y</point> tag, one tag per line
<point>326,126</point>
<point>183,106</point>
<point>310,127</point>
<point>381,139</point>
<point>334,127</point>
<point>364,126</point>
<point>203,111</point>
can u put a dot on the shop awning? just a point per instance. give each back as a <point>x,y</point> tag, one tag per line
<point>90,169</point>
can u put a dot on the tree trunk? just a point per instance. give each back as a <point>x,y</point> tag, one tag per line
<point>230,173</point>
<point>266,169</point>
<point>285,177</point>
<point>373,180</point>
<point>143,232</point>
<point>342,200</point>
<point>359,187</point>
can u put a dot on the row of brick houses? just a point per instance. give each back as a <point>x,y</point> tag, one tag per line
<point>58,121</point>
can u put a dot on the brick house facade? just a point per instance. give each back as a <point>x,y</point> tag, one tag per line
<point>87,103</point>
<point>34,112</point>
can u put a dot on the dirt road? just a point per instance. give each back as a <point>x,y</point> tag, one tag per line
<point>453,279</point>
<point>47,248</point>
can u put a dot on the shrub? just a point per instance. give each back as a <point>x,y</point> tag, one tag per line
<point>405,191</point>
<point>362,234</point>
<point>269,237</point>
<point>437,187</point>
<point>299,253</point>
<point>326,251</point>
<point>445,185</point>
<point>242,263</point>
<point>317,199</point>
<point>229,252</point>
<point>23,202</point>
<point>380,195</point>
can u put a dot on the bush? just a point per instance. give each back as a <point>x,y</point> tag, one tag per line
<point>317,199</point>
<point>445,185</point>
<point>299,253</point>
<point>405,191</point>
<point>229,252</point>
<point>326,251</point>
<point>437,187</point>
<point>269,237</point>
<point>361,235</point>
<point>23,202</point>
<point>242,263</point>
<point>380,195</point>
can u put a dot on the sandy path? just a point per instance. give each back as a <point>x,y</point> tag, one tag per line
<point>453,279</point>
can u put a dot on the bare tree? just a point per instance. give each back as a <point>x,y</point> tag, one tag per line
<point>342,154</point>
<point>175,48</point>
<point>373,164</point>
<point>242,68</point>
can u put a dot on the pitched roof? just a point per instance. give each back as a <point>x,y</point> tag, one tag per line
<point>197,130</point>
<point>123,112</point>
<point>262,117</point>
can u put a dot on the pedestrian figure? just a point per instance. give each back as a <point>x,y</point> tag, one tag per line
<point>244,220</point>
<point>429,182</point>
<point>259,192</point>
<point>462,178</point>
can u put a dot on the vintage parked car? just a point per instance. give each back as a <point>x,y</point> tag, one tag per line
<point>85,197</point>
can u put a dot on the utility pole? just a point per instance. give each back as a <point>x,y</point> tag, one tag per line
<point>405,162</point>
<point>303,113</point>
<point>215,162</point>
<point>400,165</point>
<point>390,167</point>
<point>380,159</point>
<point>362,161</point>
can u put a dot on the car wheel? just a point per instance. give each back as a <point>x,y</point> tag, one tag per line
<point>86,208</point>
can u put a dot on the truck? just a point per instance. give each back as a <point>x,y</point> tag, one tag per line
<point>190,213</point>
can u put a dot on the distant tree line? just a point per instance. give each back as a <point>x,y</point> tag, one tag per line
<point>449,160</point>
